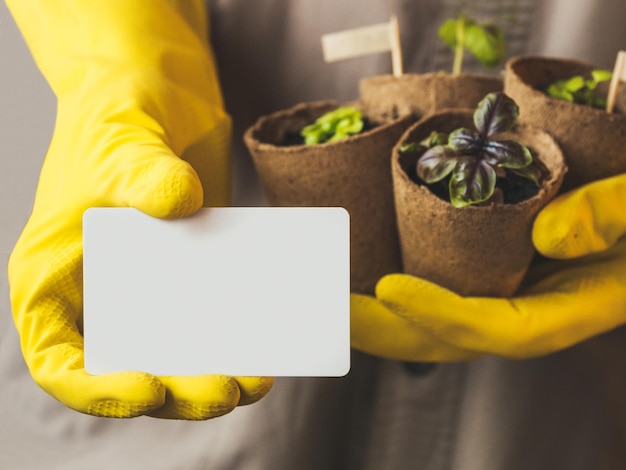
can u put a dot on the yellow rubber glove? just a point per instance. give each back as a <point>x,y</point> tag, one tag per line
<point>136,90</point>
<point>379,331</point>
<point>581,295</point>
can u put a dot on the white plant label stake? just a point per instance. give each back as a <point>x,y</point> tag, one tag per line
<point>619,74</point>
<point>366,40</point>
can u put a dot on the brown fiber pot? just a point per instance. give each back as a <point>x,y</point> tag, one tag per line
<point>478,251</point>
<point>385,96</point>
<point>352,173</point>
<point>592,140</point>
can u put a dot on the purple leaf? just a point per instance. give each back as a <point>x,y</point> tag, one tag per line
<point>495,113</point>
<point>465,141</point>
<point>436,163</point>
<point>507,154</point>
<point>472,181</point>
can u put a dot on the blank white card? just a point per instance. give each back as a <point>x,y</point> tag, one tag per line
<point>237,291</point>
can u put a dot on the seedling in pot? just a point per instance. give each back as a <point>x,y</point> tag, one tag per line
<point>580,90</point>
<point>485,41</point>
<point>472,162</point>
<point>333,126</point>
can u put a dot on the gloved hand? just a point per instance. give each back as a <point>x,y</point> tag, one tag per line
<point>379,331</point>
<point>564,301</point>
<point>136,90</point>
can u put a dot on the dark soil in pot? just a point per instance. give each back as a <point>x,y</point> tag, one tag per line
<point>474,250</point>
<point>351,173</point>
<point>592,140</point>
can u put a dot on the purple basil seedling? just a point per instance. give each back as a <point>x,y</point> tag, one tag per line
<point>472,160</point>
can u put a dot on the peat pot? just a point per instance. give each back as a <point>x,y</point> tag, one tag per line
<point>385,96</point>
<point>592,140</point>
<point>475,250</point>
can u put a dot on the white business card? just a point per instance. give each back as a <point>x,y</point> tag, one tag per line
<point>260,291</point>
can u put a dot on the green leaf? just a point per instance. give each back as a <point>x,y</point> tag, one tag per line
<point>558,91</point>
<point>495,113</point>
<point>573,84</point>
<point>486,43</point>
<point>473,181</point>
<point>535,172</point>
<point>435,138</point>
<point>334,125</point>
<point>412,147</point>
<point>312,135</point>
<point>436,164</point>
<point>599,75</point>
<point>507,154</point>
<point>578,90</point>
<point>530,172</point>
<point>346,127</point>
<point>447,32</point>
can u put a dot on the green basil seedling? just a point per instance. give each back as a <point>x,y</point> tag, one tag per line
<point>485,41</point>
<point>334,125</point>
<point>579,90</point>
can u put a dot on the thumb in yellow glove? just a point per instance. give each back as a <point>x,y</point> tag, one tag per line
<point>563,302</point>
<point>136,89</point>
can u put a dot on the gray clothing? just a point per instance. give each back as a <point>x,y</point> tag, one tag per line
<point>565,411</point>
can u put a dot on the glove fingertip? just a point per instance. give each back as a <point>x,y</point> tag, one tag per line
<point>549,234</point>
<point>198,398</point>
<point>125,395</point>
<point>252,389</point>
<point>169,189</point>
<point>564,238</point>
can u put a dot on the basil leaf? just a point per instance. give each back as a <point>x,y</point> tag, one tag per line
<point>436,164</point>
<point>507,154</point>
<point>573,84</point>
<point>412,147</point>
<point>601,75</point>
<point>334,125</point>
<point>472,181</point>
<point>447,32</point>
<point>557,90</point>
<point>495,113</point>
<point>486,43</point>
<point>465,141</point>
<point>347,127</point>
<point>435,138</point>
<point>580,91</point>
<point>535,172</point>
